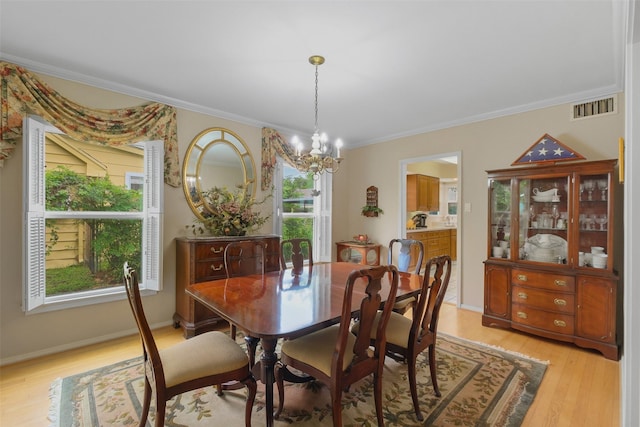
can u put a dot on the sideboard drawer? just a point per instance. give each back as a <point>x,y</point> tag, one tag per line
<point>550,281</point>
<point>546,300</point>
<point>210,270</point>
<point>553,322</point>
<point>206,250</point>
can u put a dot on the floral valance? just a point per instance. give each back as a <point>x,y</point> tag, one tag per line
<point>273,144</point>
<point>22,93</point>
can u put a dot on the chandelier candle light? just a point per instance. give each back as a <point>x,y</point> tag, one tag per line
<point>320,159</point>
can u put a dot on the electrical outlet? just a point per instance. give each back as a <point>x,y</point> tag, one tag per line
<point>467,207</point>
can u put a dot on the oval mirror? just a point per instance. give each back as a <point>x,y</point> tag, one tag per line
<point>216,157</point>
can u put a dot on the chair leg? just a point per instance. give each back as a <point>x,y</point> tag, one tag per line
<point>279,377</point>
<point>146,402</point>
<point>336,405</point>
<point>433,369</point>
<point>253,387</point>
<point>161,407</point>
<point>377,394</point>
<point>252,345</point>
<point>232,331</point>
<point>411,362</point>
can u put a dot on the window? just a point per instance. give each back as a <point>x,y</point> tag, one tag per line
<point>302,208</point>
<point>87,212</point>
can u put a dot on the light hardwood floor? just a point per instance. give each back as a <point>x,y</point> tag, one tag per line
<point>580,387</point>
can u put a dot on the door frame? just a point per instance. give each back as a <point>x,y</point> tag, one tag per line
<point>402,207</point>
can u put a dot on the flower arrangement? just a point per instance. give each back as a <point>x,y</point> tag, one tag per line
<point>229,213</point>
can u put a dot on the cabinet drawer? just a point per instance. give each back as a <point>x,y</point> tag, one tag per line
<point>550,281</point>
<point>210,270</point>
<point>208,250</point>
<point>553,322</point>
<point>546,300</point>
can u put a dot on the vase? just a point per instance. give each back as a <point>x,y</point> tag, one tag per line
<point>234,232</point>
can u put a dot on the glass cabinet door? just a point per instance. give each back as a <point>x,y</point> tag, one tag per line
<point>500,218</point>
<point>593,220</point>
<point>544,212</point>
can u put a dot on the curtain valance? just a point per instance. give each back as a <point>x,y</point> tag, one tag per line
<point>22,93</point>
<point>274,144</point>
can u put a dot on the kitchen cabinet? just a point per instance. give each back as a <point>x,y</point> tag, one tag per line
<point>202,259</point>
<point>552,267</point>
<point>435,242</point>
<point>423,193</point>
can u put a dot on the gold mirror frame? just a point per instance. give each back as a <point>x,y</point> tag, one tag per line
<point>216,157</point>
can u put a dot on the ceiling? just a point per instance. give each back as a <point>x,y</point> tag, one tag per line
<point>393,68</point>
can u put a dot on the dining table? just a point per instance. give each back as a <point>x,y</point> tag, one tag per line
<point>287,304</point>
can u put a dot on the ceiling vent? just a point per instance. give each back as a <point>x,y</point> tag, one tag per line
<point>598,107</point>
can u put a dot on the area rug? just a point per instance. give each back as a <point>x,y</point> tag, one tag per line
<point>480,386</point>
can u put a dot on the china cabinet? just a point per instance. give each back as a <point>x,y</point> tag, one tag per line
<point>200,259</point>
<point>423,193</point>
<point>552,266</point>
<point>358,252</point>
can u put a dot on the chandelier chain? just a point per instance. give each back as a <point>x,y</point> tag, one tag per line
<point>316,104</point>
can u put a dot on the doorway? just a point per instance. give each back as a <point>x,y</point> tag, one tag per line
<point>447,167</point>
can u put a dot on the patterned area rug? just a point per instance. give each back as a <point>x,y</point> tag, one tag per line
<point>480,385</point>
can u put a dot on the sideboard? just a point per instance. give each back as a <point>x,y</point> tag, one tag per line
<point>199,259</point>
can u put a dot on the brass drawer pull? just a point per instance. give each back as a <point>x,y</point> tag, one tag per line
<point>560,323</point>
<point>216,251</point>
<point>522,315</point>
<point>559,282</point>
<point>559,301</point>
<point>214,268</point>
<point>522,295</point>
<point>522,277</point>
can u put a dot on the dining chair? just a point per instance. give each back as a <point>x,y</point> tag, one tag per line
<point>209,359</point>
<point>337,357</point>
<point>295,251</point>
<point>407,338</point>
<point>244,258</point>
<point>403,261</point>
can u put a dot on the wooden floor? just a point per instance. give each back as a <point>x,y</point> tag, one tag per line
<point>580,387</point>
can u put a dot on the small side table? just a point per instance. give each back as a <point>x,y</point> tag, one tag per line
<point>359,253</point>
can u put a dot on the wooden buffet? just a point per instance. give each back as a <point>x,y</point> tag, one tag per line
<point>200,260</point>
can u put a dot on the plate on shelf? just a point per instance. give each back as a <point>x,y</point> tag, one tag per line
<point>546,247</point>
<point>546,198</point>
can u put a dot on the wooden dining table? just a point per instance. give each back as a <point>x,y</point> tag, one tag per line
<point>281,304</point>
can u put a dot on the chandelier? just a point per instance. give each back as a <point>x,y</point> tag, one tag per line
<point>323,156</point>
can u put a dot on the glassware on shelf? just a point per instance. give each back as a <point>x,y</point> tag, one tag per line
<point>581,191</point>
<point>602,222</point>
<point>532,215</point>
<point>555,215</point>
<point>603,187</point>
<point>589,186</point>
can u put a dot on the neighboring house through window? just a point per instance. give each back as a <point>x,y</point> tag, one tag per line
<point>88,209</point>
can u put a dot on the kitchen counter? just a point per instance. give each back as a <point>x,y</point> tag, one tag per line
<point>431,228</point>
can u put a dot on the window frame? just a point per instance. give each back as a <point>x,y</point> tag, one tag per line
<point>322,207</point>
<point>35,215</point>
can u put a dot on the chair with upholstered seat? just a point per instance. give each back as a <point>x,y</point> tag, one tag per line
<point>407,338</point>
<point>337,357</point>
<point>209,359</point>
<point>244,258</point>
<point>403,260</point>
<point>295,251</point>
